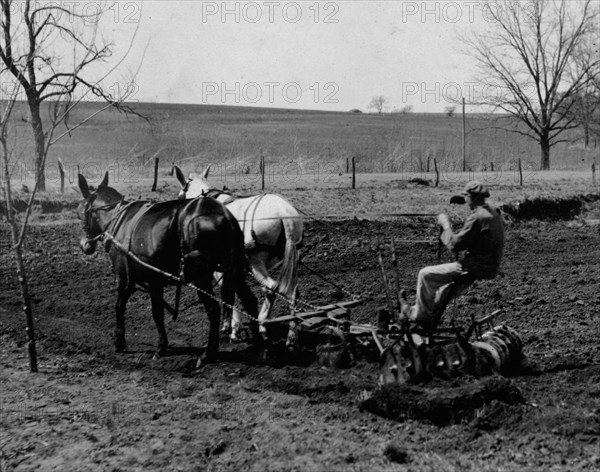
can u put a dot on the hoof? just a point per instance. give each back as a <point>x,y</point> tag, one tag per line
<point>262,357</point>
<point>160,353</point>
<point>120,346</point>
<point>206,359</point>
<point>238,335</point>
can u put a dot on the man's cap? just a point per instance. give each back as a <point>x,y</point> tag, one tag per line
<point>476,188</point>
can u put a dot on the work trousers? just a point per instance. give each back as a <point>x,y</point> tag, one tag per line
<point>435,289</point>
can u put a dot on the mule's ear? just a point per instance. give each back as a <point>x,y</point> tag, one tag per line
<point>205,173</point>
<point>83,186</point>
<point>104,182</point>
<point>180,176</point>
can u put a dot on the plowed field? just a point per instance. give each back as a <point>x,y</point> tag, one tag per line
<point>92,409</point>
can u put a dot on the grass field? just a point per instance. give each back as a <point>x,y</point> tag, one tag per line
<point>297,145</point>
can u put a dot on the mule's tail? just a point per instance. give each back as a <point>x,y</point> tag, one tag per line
<point>287,281</point>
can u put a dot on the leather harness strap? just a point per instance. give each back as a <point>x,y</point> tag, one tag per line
<point>255,244</point>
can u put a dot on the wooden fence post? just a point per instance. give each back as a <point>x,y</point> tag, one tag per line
<point>155,174</point>
<point>464,138</point>
<point>492,166</point>
<point>437,172</point>
<point>353,172</point>
<point>520,173</point>
<point>593,173</point>
<point>61,170</point>
<point>261,168</point>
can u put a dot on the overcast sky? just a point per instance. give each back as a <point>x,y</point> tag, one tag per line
<point>305,54</point>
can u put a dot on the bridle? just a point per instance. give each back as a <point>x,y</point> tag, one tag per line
<point>89,211</point>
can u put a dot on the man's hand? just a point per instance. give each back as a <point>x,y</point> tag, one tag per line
<point>443,221</point>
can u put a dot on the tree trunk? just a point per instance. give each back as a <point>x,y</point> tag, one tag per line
<point>26,298</point>
<point>545,148</point>
<point>33,367</point>
<point>40,142</point>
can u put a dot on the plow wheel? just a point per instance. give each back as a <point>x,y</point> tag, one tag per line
<point>334,353</point>
<point>498,350</point>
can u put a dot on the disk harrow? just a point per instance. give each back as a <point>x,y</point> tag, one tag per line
<point>415,356</point>
<point>406,353</point>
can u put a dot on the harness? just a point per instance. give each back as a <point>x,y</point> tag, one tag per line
<point>115,223</point>
<point>108,237</point>
<point>255,245</point>
<point>216,193</point>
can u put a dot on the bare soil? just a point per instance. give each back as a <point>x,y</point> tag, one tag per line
<point>90,409</point>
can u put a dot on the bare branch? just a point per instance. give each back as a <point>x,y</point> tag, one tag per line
<point>536,54</point>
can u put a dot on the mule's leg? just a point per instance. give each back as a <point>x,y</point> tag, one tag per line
<point>258,263</point>
<point>158,313</point>
<point>225,316</point>
<point>213,310</point>
<point>236,323</point>
<point>230,318</point>
<point>228,297</point>
<point>249,303</point>
<point>123,294</point>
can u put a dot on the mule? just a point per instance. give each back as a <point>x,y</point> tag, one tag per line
<point>190,239</point>
<point>273,232</point>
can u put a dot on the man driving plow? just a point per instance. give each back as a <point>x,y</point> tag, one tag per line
<point>481,241</point>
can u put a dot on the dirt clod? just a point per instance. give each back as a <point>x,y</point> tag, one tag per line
<point>396,453</point>
<point>443,404</point>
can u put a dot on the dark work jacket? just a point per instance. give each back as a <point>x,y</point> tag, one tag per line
<point>482,240</point>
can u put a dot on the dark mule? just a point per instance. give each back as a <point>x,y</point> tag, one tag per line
<point>192,238</point>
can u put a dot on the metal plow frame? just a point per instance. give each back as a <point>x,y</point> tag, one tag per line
<point>406,353</point>
<point>417,357</point>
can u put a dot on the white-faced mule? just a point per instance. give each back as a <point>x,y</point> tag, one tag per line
<point>273,231</point>
<point>150,245</point>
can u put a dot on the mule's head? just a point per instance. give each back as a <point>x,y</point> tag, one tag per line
<point>195,186</point>
<point>94,200</point>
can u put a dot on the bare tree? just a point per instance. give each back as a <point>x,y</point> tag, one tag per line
<point>26,69</point>
<point>377,103</point>
<point>526,58</point>
<point>49,47</point>
<point>17,242</point>
<point>584,107</point>
<point>449,110</point>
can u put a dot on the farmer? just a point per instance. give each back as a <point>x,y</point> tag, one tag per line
<point>482,240</point>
